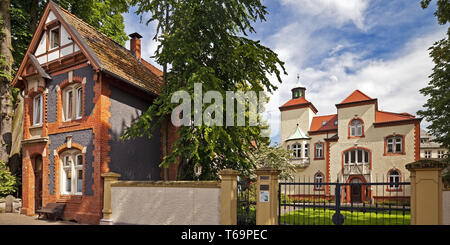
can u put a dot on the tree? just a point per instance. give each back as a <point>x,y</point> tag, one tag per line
<point>8,183</point>
<point>6,111</point>
<point>206,42</point>
<point>437,107</point>
<point>274,157</point>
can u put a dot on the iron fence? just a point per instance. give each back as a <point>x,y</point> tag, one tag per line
<point>318,203</point>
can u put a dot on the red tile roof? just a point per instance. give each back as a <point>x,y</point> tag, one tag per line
<point>297,103</point>
<point>317,123</point>
<point>356,96</point>
<point>384,116</point>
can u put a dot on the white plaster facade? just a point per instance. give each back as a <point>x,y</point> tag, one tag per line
<point>373,161</point>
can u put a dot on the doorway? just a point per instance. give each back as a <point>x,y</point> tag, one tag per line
<point>38,182</point>
<point>356,190</point>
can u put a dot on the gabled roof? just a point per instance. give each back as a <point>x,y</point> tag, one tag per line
<point>384,116</point>
<point>356,96</point>
<point>111,56</point>
<point>298,103</point>
<point>297,135</point>
<point>103,53</point>
<point>317,123</point>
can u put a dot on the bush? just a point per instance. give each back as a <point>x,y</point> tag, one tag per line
<point>8,183</point>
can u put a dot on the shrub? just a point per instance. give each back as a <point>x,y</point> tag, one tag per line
<point>8,183</point>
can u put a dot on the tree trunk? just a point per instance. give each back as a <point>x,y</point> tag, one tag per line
<point>34,8</point>
<point>5,81</point>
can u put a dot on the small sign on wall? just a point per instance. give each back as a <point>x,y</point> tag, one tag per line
<point>264,196</point>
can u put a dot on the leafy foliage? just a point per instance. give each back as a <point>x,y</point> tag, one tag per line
<point>205,42</point>
<point>274,157</point>
<point>437,107</point>
<point>8,183</point>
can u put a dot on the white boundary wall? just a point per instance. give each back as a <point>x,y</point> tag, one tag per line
<point>149,203</point>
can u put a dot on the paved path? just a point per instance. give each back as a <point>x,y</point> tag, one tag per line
<point>19,219</point>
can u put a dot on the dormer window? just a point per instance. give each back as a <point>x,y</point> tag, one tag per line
<point>335,123</point>
<point>54,38</point>
<point>324,123</point>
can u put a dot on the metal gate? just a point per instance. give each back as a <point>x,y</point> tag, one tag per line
<point>351,203</point>
<point>246,201</point>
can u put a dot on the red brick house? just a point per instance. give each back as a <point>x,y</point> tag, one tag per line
<point>81,91</point>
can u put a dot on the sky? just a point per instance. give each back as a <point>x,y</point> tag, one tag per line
<point>337,46</point>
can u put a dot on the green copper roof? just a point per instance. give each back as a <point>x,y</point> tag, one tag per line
<point>298,134</point>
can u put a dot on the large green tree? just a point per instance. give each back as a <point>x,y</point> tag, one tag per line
<point>437,107</point>
<point>206,41</point>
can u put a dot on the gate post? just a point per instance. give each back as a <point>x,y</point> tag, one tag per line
<point>108,178</point>
<point>426,192</point>
<point>228,197</point>
<point>267,196</point>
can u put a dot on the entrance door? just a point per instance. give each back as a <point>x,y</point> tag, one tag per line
<point>38,182</point>
<point>356,190</point>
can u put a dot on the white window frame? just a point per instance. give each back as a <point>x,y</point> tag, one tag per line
<point>297,150</point>
<point>427,154</point>
<point>74,166</point>
<point>440,154</point>
<point>365,158</point>
<point>394,178</point>
<point>319,149</point>
<point>318,181</point>
<point>77,103</point>
<point>393,141</point>
<point>356,128</point>
<point>51,38</point>
<point>306,150</point>
<point>38,110</point>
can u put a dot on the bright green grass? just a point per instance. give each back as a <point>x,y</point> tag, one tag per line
<point>308,216</point>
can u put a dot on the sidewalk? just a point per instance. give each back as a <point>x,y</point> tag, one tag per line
<point>19,219</point>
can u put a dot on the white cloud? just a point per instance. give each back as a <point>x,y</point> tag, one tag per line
<point>341,11</point>
<point>395,82</point>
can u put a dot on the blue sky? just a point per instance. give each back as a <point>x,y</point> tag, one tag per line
<point>337,46</point>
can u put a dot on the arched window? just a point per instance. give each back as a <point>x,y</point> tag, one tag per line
<point>394,179</point>
<point>318,180</point>
<point>356,156</point>
<point>394,144</point>
<point>356,128</point>
<point>297,150</point>
<point>71,162</point>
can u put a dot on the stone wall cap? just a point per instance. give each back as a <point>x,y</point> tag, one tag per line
<point>228,172</point>
<point>267,171</point>
<point>111,174</point>
<point>176,184</point>
<point>425,164</point>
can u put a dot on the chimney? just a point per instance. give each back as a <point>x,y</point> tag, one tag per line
<point>135,44</point>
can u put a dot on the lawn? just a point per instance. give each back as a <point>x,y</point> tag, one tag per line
<point>308,216</point>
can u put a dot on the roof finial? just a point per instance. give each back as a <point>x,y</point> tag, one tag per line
<point>298,85</point>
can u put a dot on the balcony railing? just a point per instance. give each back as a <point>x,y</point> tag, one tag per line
<point>356,168</point>
<point>301,162</point>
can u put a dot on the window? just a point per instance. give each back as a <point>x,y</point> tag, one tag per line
<point>319,150</point>
<point>441,154</point>
<point>37,110</point>
<point>335,123</point>
<point>356,128</point>
<point>394,144</point>
<point>54,38</point>
<point>394,179</point>
<point>324,123</point>
<point>297,149</point>
<point>72,102</point>
<point>306,150</point>
<point>427,154</point>
<point>356,156</point>
<point>71,172</point>
<point>318,180</point>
